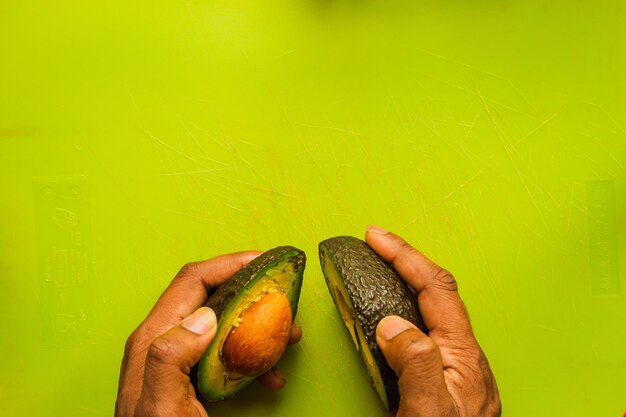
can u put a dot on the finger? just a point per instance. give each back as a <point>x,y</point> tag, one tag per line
<point>439,301</point>
<point>190,288</point>
<point>273,379</point>
<point>416,360</point>
<point>295,336</point>
<point>168,362</point>
<point>188,291</point>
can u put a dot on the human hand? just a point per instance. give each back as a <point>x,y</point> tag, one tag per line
<point>159,354</point>
<point>444,373</point>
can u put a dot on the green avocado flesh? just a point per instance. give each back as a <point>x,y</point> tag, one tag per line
<point>279,269</point>
<point>366,289</point>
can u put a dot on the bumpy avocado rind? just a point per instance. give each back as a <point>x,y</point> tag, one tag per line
<point>366,289</point>
<point>279,269</point>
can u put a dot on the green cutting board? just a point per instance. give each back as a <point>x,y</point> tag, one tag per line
<point>138,135</point>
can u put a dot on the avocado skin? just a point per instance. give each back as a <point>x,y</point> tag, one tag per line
<point>376,291</point>
<point>226,292</point>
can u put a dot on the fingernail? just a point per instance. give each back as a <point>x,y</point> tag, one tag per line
<point>200,321</point>
<point>391,326</point>
<point>377,230</point>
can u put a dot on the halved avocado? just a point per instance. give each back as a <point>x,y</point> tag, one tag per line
<point>279,269</point>
<point>366,289</point>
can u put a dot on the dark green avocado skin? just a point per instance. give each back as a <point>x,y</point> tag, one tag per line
<point>376,291</point>
<point>225,293</point>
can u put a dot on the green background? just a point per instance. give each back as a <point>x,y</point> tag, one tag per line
<point>138,135</point>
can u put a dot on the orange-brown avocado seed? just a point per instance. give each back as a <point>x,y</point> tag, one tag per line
<point>260,339</point>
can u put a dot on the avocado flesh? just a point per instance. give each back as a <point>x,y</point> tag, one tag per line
<point>278,270</point>
<point>365,289</point>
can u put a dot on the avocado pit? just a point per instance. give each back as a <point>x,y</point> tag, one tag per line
<point>258,341</point>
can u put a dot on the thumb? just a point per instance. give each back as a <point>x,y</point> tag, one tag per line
<point>416,360</point>
<point>166,387</point>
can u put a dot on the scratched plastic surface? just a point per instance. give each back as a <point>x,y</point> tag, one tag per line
<point>138,135</point>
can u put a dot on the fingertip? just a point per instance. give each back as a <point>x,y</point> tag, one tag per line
<point>273,379</point>
<point>380,240</point>
<point>377,230</point>
<point>391,326</point>
<point>278,374</point>
<point>248,255</point>
<point>202,321</point>
<point>296,335</point>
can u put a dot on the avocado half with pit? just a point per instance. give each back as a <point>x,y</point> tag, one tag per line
<point>255,310</point>
<point>366,289</point>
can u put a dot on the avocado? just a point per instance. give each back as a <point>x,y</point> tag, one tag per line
<point>277,270</point>
<point>366,289</point>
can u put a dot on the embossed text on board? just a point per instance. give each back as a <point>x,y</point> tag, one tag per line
<point>65,288</point>
<point>603,249</point>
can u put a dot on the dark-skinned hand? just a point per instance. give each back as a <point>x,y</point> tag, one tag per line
<point>159,354</point>
<point>444,373</point>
